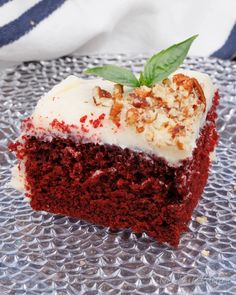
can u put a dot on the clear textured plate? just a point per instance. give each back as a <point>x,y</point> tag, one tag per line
<point>41,253</point>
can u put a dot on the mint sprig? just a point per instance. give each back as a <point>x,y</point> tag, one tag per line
<point>156,69</point>
<point>115,74</point>
<point>165,62</point>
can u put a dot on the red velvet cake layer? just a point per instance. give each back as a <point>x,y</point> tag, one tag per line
<point>115,187</point>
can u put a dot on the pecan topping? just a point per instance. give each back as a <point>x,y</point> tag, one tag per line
<point>119,88</point>
<point>189,84</point>
<point>140,96</point>
<point>140,129</point>
<point>170,107</point>
<point>166,82</point>
<point>177,130</point>
<point>165,124</point>
<point>99,93</point>
<point>180,145</point>
<point>185,111</point>
<point>117,104</point>
<point>118,91</point>
<point>104,93</point>
<point>115,112</point>
<point>200,92</point>
<point>141,92</point>
<point>132,116</point>
<point>159,102</point>
<point>140,103</point>
<point>184,81</point>
<point>150,135</point>
<point>149,116</point>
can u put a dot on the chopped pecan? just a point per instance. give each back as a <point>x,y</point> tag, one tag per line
<point>132,116</point>
<point>185,111</point>
<point>189,84</point>
<point>103,93</point>
<point>115,112</point>
<point>177,130</point>
<point>165,124</point>
<point>119,88</point>
<point>166,81</point>
<point>96,101</point>
<point>140,103</point>
<point>159,102</point>
<point>180,145</point>
<point>140,129</point>
<point>139,96</point>
<point>99,93</point>
<point>96,97</point>
<point>141,92</point>
<point>195,107</point>
<point>118,91</point>
<point>184,81</point>
<point>200,92</point>
<point>150,135</point>
<point>149,116</point>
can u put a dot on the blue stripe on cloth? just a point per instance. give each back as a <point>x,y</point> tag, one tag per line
<point>2,2</point>
<point>27,21</point>
<point>228,50</point>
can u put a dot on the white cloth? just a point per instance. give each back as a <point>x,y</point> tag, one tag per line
<point>114,26</point>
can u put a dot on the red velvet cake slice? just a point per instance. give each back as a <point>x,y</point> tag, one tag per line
<point>120,157</point>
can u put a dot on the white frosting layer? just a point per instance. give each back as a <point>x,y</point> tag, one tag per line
<point>72,99</point>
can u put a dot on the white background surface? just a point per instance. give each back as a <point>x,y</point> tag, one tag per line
<point>128,26</point>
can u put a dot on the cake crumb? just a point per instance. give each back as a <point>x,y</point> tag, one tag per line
<point>212,156</point>
<point>205,253</point>
<point>201,219</point>
<point>82,263</point>
<point>233,188</point>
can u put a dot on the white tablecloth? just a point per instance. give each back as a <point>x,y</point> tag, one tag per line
<point>46,29</point>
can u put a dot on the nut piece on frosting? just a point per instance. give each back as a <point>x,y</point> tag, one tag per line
<point>118,91</point>
<point>115,112</point>
<point>100,95</point>
<point>132,116</point>
<point>190,84</point>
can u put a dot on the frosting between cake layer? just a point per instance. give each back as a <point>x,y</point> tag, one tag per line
<point>72,103</point>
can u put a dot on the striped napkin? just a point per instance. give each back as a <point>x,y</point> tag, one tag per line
<point>46,29</point>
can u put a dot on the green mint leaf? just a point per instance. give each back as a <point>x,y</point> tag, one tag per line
<point>141,79</point>
<point>156,69</point>
<point>115,74</point>
<point>162,64</point>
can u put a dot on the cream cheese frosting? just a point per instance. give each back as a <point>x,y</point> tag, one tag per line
<point>169,136</point>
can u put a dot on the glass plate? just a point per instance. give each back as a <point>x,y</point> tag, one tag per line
<point>41,253</point>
